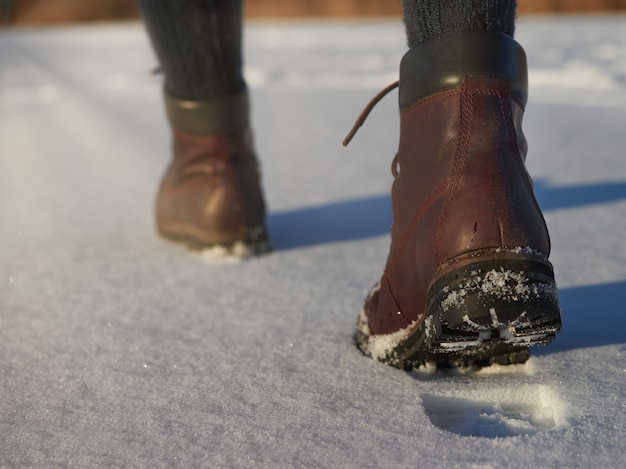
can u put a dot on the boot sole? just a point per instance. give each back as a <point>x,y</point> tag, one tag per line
<point>484,308</point>
<point>238,248</point>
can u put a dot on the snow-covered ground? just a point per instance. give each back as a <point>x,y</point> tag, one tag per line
<point>119,349</point>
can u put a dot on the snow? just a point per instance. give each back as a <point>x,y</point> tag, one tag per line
<point>526,410</point>
<point>119,349</point>
<point>236,252</point>
<point>381,346</point>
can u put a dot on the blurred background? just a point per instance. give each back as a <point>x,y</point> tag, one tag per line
<point>40,12</point>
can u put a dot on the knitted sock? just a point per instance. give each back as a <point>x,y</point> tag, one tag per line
<point>428,18</point>
<point>198,43</point>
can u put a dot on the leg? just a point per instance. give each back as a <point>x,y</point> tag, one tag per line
<point>198,44</point>
<point>210,195</point>
<point>467,280</point>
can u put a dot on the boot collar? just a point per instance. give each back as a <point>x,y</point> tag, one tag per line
<point>442,63</point>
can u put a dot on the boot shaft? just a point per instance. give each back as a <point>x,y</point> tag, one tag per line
<point>462,148</point>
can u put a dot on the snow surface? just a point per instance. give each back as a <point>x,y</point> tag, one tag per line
<point>119,349</point>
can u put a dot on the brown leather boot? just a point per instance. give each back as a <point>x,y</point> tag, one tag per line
<point>467,280</point>
<point>210,196</point>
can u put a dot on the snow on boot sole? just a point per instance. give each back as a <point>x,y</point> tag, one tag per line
<point>486,307</point>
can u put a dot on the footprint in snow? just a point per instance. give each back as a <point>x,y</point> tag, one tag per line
<point>494,412</point>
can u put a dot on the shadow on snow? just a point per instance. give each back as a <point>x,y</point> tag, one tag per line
<point>555,198</point>
<point>593,315</point>
<point>370,216</point>
<point>346,220</point>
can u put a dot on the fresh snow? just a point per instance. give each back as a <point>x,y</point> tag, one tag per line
<point>381,346</point>
<point>119,349</point>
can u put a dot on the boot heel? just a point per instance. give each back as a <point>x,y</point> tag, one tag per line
<point>492,305</point>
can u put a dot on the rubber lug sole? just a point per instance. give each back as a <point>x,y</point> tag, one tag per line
<point>485,308</point>
<point>239,248</point>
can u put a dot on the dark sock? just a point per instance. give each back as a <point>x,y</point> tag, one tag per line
<point>429,18</point>
<point>198,43</point>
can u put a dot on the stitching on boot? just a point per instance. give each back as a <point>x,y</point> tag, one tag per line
<point>433,196</point>
<point>460,159</point>
<point>428,99</point>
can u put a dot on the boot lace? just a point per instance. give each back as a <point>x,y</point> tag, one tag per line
<point>363,116</point>
<point>366,111</point>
